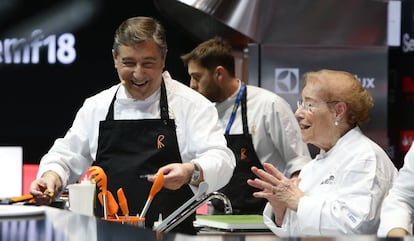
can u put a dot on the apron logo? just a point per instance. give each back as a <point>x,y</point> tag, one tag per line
<point>159,141</point>
<point>329,180</point>
<point>243,154</point>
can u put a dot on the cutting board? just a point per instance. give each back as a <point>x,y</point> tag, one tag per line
<point>232,222</point>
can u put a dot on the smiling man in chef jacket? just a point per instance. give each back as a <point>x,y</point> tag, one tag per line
<point>147,123</point>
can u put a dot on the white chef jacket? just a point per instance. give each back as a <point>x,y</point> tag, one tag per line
<point>275,131</point>
<point>398,207</point>
<point>199,136</point>
<point>344,189</point>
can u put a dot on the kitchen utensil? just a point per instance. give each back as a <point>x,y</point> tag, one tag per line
<point>10,200</point>
<point>98,174</point>
<point>112,208</point>
<point>112,205</point>
<point>123,203</point>
<point>24,198</point>
<point>184,210</point>
<point>156,187</point>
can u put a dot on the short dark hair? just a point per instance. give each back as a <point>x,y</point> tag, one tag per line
<point>212,53</point>
<point>137,29</point>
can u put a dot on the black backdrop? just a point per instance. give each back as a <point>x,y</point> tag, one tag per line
<point>401,88</point>
<point>39,100</point>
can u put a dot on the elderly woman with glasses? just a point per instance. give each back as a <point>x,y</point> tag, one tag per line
<point>341,190</point>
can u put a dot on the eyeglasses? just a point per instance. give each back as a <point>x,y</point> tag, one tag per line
<point>308,106</point>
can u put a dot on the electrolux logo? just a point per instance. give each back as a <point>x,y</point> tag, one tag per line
<point>59,49</point>
<point>287,80</point>
<point>366,82</point>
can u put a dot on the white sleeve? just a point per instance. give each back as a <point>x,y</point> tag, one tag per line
<point>398,206</point>
<point>206,145</point>
<point>70,156</point>
<point>268,219</point>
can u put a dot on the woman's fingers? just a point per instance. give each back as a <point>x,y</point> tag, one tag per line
<point>273,171</point>
<point>263,175</point>
<point>263,186</point>
<point>254,184</point>
<point>270,180</point>
<point>259,184</point>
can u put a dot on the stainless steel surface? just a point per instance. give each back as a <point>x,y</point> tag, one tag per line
<point>285,22</point>
<point>191,206</point>
<point>63,225</point>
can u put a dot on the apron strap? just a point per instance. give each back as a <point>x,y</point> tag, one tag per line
<point>244,113</point>
<point>164,104</point>
<point>110,114</point>
<point>240,99</point>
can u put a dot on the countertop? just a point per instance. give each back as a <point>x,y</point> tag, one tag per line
<point>53,224</point>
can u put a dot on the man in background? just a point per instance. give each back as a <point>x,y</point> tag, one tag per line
<point>259,125</point>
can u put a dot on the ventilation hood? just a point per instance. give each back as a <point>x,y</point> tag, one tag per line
<point>282,22</point>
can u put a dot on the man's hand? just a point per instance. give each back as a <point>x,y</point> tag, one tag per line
<point>175,175</point>
<point>45,189</point>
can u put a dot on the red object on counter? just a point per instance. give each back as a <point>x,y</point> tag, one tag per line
<point>29,175</point>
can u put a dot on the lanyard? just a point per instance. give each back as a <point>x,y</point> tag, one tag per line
<point>235,106</point>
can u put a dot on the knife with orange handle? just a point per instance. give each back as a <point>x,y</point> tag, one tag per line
<point>123,203</point>
<point>11,200</point>
<point>98,174</point>
<point>24,198</point>
<point>156,187</point>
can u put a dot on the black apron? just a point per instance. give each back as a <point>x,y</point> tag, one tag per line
<point>130,148</point>
<point>237,190</point>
